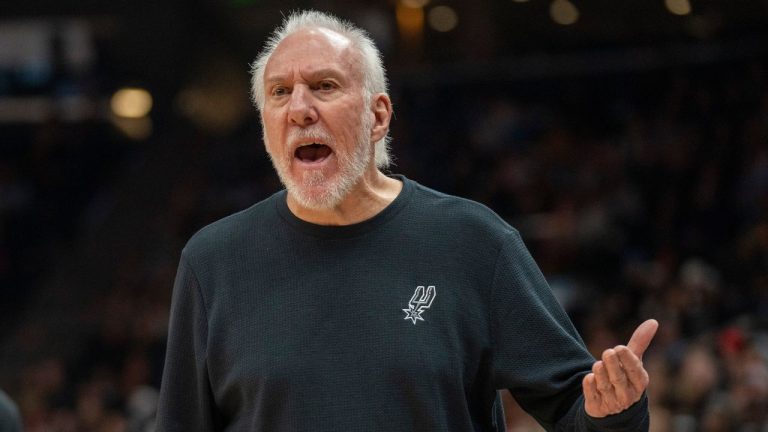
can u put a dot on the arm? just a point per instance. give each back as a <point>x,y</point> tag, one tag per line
<point>613,396</point>
<point>186,400</point>
<point>539,356</point>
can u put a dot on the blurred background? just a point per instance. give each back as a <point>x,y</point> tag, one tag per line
<point>627,141</point>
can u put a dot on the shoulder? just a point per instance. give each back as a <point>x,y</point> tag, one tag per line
<point>463,218</point>
<point>233,231</point>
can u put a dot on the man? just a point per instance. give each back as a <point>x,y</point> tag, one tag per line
<point>356,301</point>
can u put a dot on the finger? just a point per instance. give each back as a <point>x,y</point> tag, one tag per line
<point>590,388</point>
<point>604,386</point>
<point>592,399</point>
<point>625,392</point>
<point>602,380</point>
<point>642,337</point>
<point>633,367</point>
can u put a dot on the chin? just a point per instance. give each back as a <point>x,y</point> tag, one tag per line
<point>314,191</point>
<point>315,198</point>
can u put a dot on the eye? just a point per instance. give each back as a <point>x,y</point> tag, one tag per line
<point>326,85</point>
<point>279,91</point>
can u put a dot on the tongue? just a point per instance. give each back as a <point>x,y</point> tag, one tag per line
<point>313,152</point>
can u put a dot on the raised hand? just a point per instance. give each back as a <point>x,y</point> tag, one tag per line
<point>618,380</point>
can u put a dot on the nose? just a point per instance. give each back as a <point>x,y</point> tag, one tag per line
<point>301,109</point>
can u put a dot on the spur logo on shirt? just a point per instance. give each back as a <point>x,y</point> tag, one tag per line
<point>422,299</point>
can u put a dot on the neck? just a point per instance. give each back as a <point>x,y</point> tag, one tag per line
<point>374,192</point>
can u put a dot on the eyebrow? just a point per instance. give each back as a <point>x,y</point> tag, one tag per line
<point>313,75</point>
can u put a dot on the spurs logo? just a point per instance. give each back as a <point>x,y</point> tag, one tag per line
<point>420,302</point>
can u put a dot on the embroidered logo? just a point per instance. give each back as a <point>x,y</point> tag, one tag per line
<point>420,302</point>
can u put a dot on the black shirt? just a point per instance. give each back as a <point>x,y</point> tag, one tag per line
<point>408,321</point>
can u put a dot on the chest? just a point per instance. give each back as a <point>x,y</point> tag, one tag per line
<point>339,328</point>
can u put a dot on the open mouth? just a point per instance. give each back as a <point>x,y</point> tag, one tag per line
<point>312,153</point>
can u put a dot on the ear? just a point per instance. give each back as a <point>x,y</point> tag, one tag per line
<point>381,107</point>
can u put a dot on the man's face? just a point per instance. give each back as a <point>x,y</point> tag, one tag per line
<point>317,123</point>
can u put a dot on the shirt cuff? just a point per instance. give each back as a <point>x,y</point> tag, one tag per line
<point>634,418</point>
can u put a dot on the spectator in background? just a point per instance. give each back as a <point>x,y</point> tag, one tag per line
<point>10,421</point>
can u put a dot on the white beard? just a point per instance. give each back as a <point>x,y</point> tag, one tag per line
<point>315,190</point>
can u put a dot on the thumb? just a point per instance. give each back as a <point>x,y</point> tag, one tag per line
<point>642,337</point>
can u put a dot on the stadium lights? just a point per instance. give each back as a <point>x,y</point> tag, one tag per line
<point>410,20</point>
<point>443,18</point>
<point>414,3</point>
<point>563,12</point>
<point>678,7</point>
<point>131,102</point>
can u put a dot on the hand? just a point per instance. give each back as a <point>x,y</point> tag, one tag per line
<point>619,379</point>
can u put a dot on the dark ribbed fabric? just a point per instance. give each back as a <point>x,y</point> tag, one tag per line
<point>282,325</point>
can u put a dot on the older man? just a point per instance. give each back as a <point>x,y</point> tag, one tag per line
<point>357,301</point>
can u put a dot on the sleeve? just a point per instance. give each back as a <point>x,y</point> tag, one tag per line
<point>186,399</point>
<point>538,354</point>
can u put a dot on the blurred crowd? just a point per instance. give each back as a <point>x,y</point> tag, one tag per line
<point>640,194</point>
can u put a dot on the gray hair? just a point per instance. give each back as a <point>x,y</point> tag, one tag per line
<point>373,73</point>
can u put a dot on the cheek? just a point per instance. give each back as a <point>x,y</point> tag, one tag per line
<point>352,121</point>
<point>272,135</point>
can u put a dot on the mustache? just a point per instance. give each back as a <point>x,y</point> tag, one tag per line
<point>315,134</point>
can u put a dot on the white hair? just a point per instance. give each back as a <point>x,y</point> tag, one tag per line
<point>373,73</point>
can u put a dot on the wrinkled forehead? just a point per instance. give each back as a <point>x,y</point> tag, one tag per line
<point>314,48</point>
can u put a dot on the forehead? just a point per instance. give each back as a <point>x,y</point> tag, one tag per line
<point>312,49</point>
